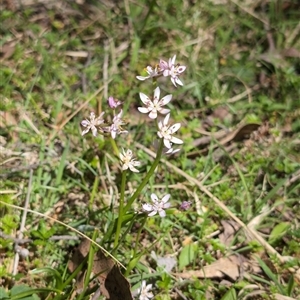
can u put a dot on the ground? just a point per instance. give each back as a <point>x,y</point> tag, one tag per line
<point>236,236</point>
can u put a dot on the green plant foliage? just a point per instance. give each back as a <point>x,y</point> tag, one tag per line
<point>278,231</point>
<point>239,112</point>
<point>187,255</point>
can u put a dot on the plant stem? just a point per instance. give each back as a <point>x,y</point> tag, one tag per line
<point>114,146</point>
<point>146,179</point>
<point>121,212</point>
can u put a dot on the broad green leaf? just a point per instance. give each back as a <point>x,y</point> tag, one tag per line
<point>187,255</point>
<point>278,231</point>
<point>23,292</point>
<point>3,294</point>
<point>230,295</point>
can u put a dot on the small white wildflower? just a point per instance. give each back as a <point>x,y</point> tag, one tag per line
<point>129,162</point>
<point>166,132</point>
<point>92,124</point>
<point>172,70</point>
<point>144,291</point>
<point>157,206</point>
<point>151,73</point>
<point>116,126</point>
<point>155,106</point>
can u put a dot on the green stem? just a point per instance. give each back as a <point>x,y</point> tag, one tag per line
<point>138,236</point>
<point>114,146</point>
<point>121,212</point>
<point>146,178</point>
<point>90,263</point>
<point>136,252</point>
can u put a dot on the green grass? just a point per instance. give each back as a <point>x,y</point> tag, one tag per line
<point>53,61</point>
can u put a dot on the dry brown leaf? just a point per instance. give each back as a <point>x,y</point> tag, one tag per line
<point>291,52</point>
<point>224,137</point>
<point>8,120</point>
<point>281,297</point>
<point>230,229</point>
<point>225,266</point>
<point>7,50</point>
<point>113,285</point>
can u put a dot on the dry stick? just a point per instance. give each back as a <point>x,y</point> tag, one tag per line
<point>105,70</point>
<point>76,112</point>
<point>83,76</point>
<point>250,12</point>
<point>25,241</point>
<point>65,225</point>
<point>292,36</point>
<point>251,232</point>
<point>23,222</point>
<point>240,96</point>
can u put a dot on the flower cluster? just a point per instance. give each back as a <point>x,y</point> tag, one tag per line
<point>165,69</point>
<point>98,124</point>
<point>154,107</point>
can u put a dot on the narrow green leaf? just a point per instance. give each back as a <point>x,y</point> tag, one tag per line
<point>272,276</point>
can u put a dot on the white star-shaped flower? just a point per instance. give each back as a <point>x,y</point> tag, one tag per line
<point>128,162</point>
<point>152,72</point>
<point>116,126</point>
<point>172,70</point>
<point>92,124</point>
<point>166,132</point>
<point>157,206</point>
<point>155,106</point>
<point>144,291</point>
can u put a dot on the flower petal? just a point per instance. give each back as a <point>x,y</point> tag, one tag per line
<point>133,169</point>
<point>147,207</point>
<point>157,93</point>
<point>162,213</point>
<point>165,100</point>
<point>154,198</point>
<point>167,143</point>
<point>176,140</point>
<point>94,130</point>
<point>145,99</point>
<point>166,198</point>
<point>173,81</point>
<point>167,205</point>
<point>85,131</point>
<point>153,114</point>
<point>166,119</point>
<point>181,69</point>
<point>152,213</point>
<point>173,60</point>
<point>142,78</point>
<point>178,81</point>
<point>164,111</point>
<point>174,128</point>
<point>143,110</point>
<point>166,73</point>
